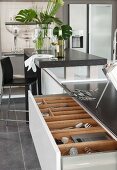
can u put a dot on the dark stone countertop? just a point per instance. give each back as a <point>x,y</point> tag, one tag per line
<point>72,58</point>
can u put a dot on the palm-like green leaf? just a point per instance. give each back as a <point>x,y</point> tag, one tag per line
<point>26,16</point>
<point>47,19</point>
<point>30,15</point>
<point>54,6</point>
<point>66,32</point>
<point>56,31</point>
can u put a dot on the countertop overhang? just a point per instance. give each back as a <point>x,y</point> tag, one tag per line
<point>72,58</point>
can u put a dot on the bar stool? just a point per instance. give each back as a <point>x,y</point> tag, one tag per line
<point>10,81</point>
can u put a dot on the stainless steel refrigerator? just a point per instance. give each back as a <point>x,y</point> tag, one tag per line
<point>92,28</point>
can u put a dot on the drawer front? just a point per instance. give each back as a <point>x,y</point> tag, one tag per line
<point>46,148</point>
<point>99,161</point>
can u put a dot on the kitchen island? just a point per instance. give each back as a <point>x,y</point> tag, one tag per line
<point>72,58</point>
<point>63,115</point>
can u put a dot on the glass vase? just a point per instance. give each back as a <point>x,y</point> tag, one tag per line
<point>43,40</point>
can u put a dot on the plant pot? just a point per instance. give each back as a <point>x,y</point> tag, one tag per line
<point>60,49</point>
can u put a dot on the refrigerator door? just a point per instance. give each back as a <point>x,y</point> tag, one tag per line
<point>100,25</point>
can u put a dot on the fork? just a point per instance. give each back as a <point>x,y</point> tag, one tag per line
<point>87,125</point>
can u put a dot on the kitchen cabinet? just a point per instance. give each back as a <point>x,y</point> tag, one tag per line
<point>49,86</point>
<point>55,116</point>
<point>72,58</point>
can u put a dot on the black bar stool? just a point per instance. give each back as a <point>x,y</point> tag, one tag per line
<point>10,81</point>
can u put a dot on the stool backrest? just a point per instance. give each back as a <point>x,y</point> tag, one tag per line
<point>7,70</point>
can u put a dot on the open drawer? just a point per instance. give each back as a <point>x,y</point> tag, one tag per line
<point>67,138</point>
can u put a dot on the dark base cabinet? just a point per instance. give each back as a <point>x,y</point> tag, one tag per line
<point>66,137</point>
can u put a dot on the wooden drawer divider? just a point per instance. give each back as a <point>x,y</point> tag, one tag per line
<point>64,113</point>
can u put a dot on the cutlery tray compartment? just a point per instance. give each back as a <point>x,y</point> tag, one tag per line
<point>62,115</point>
<point>58,124</point>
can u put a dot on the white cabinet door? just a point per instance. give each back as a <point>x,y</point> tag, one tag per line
<point>49,85</point>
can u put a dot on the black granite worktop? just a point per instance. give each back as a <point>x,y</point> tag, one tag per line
<point>72,58</point>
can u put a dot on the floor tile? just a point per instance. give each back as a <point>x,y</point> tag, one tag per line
<point>34,169</point>
<point>10,148</point>
<point>10,126</point>
<point>30,157</point>
<point>15,169</point>
<point>23,127</point>
<point>16,153</point>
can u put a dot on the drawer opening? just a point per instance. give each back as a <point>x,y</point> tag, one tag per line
<point>47,113</point>
<point>68,112</point>
<point>64,117</point>
<point>53,97</point>
<point>61,108</point>
<point>55,101</point>
<point>61,131</point>
<point>62,111</point>
<point>67,117</point>
<point>58,105</point>
<point>71,124</point>
<point>68,134</point>
<point>88,147</point>
<point>81,136</point>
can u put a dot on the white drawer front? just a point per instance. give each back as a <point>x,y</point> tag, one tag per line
<point>46,148</point>
<point>99,161</point>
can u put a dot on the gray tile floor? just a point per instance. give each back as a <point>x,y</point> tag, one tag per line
<point>17,151</point>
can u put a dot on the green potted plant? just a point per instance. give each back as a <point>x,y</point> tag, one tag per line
<point>44,19</point>
<point>62,33</point>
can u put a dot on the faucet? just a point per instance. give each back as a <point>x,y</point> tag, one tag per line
<point>115,46</point>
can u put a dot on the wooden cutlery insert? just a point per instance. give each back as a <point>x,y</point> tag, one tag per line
<point>72,127</point>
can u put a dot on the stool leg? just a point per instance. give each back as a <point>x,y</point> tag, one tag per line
<point>1,100</point>
<point>37,87</point>
<point>26,101</point>
<point>9,101</point>
<point>1,96</point>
